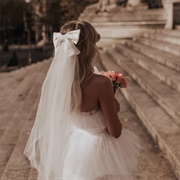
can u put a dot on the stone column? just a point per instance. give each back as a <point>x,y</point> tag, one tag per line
<point>169,8</point>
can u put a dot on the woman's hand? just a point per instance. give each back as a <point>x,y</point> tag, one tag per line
<point>117,105</point>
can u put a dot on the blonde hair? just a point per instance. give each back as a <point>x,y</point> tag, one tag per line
<point>84,66</point>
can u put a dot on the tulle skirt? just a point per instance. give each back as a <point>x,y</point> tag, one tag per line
<point>98,156</point>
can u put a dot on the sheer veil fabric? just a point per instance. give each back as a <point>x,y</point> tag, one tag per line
<point>53,125</point>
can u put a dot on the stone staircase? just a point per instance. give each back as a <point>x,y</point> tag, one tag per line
<point>121,22</point>
<point>151,64</point>
<point>19,96</point>
<point>124,15</point>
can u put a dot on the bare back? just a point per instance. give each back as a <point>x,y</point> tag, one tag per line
<point>89,93</point>
<point>98,92</point>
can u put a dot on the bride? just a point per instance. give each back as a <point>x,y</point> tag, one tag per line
<point>77,134</point>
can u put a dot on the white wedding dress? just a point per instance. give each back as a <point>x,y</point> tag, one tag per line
<point>66,145</point>
<point>94,154</point>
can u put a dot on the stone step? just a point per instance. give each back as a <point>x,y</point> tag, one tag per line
<point>10,80</point>
<point>33,174</point>
<point>10,105</point>
<point>173,33</point>
<point>151,156</point>
<point>18,165</point>
<point>162,128</point>
<point>125,16</point>
<point>11,133</point>
<point>161,93</point>
<point>165,74</point>
<point>15,96</point>
<point>177,27</point>
<point>9,77</point>
<point>163,58</point>
<point>108,42</point>
<point>128,23</point>
<point>113,25</point>
<point>162,37</point>
<point>128,29</point>
<point>164,46</point>
<point>9,89</point>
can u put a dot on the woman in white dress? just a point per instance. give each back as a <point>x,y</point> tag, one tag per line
<point>77,134</point>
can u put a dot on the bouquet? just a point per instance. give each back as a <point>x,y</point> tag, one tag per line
<point>116,78</point>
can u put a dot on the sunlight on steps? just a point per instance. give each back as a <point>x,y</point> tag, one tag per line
<point>151,63</point>
<point>20,92</point>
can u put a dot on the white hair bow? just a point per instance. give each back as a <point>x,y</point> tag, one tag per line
<point>68,39</point>
<point>71,35</point>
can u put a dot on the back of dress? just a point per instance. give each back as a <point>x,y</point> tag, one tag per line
<point>64,145</point>
<point>94,154</point>
<point>90,121</point>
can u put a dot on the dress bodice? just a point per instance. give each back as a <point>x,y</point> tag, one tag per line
<point>92,121</point>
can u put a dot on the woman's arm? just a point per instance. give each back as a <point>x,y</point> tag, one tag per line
<point>109,107</point>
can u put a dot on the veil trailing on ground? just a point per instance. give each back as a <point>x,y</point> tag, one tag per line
<point>53,125</point>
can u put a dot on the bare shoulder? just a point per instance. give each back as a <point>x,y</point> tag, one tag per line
<point>101,83</point>
<point>98,84</point>
<point>99,80</point>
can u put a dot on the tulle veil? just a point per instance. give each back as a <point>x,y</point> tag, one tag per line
<point>53,125</point>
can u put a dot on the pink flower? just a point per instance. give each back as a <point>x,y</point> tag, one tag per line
<point>116,78</point>
<point>123,83</point>
<point>119,77</point>
<point>113,77</point>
